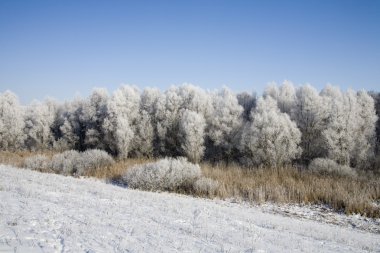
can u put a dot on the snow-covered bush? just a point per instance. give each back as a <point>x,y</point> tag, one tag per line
<point>327,166</point>
<point>93,159</point>
<point>66,163</point>
<point>73,162</point>
<point>206,186</point>
<point>38,162</point>
<point>166,174</point>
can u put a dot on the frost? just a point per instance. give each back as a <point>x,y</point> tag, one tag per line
<point>52,213</point>
<point>327,166</point>
<point>38,162</point>
<point>168,174</point>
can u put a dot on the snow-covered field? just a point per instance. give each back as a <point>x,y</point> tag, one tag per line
<point>52,213</point>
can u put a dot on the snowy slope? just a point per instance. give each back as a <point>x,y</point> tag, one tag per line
<point>52,213</point>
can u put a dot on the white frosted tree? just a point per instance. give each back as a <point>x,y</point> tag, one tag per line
<point>127,99</point>
<point>120,120</point>
<point>144,136</point>
<point>285,95</point>
<point>223,128</point>
<point>272,139</point>
<point>11,122</point>
<point>151,102</point>
<point>195,99</point>
<point>167,108</point>
<point>93,115</point>
<point>123,137</point>
<point>69,126</point>
<point>149,99</point>
<point>39,119</point>
<point>339,135</point>
<point>248,102</point>
<point>376,98</point>
<point>272,90</point>
<point>309,112</point>
<point>167,122</point>
<point>365,128</point>
<point>191,129</point>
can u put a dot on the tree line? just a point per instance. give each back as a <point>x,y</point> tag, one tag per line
<point>286,125</point>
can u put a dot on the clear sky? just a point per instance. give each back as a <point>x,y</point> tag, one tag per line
<point>63,48</point>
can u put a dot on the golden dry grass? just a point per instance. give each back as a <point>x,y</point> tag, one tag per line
<point>115,171</point>
<point>17,158</point>
<point>284,185</point>
<point>290,185</point>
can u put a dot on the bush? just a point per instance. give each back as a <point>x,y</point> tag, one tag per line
<point>72,162</point>
<point>206,186</point>
<point>38,162</point>
<point>66,163</point>
<point>92,160</point>
<point>168,174</point>
<point>327,166</point>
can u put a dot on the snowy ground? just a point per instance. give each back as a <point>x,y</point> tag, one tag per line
<point>52,213</point>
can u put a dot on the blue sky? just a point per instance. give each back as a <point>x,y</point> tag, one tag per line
<point>64,48</point>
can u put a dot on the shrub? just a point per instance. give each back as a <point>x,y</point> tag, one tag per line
<point>38,162</point>
<point>327,166</point>
<point>72,162</point>
<point>66,163</point>
<point>168,174</point>
<point>206,186</point>
<point>92,160</point>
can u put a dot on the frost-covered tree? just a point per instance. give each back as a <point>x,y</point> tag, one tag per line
<point>69,126</point>
<point>272,90</point>
<point>167,115</point>
<point>285,95</point>
<point>120,120</point>
<point>188,121</point>
<point>11,122</point>
<point>272,139</point>
<point>167,123</point>
<point>223,128</point>
<point>39,119</point>
<point>191,129</point>
<point>149,99</point>
<point>151,103</point>
<point>144,136</point>
<point>376,98</point>
<point>195,99</point>
<point>339,135</point>
<point>350,129</point>
<point>365,129</point>
<point>248,102</point>
<point>309,112</point>
<point>94,114</point>
<point>117,131</point>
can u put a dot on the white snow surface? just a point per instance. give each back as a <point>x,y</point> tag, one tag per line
<point>52,213</point>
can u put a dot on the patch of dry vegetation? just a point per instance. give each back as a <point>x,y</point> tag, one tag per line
<point>17,158</point>
<point>291,185</point>
<point>284,185</point>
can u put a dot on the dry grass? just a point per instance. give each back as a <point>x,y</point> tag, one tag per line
<point>285,185</point>
<point>289,185</point>
<point>115,171</point>
<point>17,158</point>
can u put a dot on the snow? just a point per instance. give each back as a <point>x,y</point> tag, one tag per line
<point>52,213</point>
